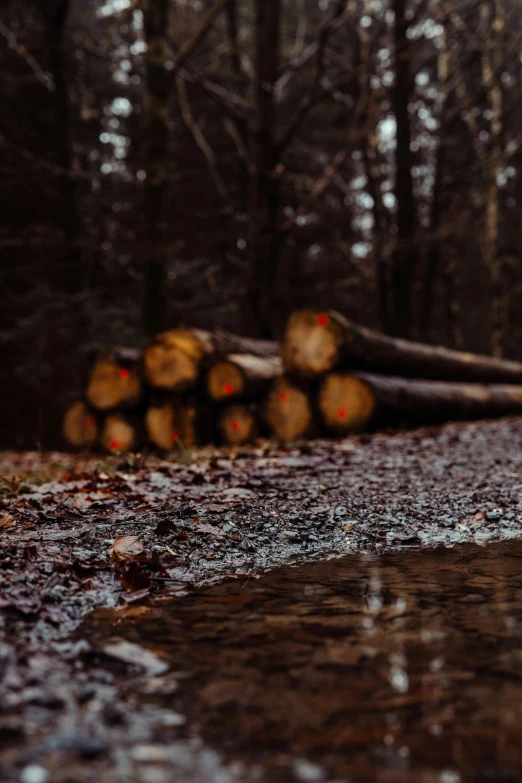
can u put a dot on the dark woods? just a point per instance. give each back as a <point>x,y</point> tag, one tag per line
<point>221,162</point>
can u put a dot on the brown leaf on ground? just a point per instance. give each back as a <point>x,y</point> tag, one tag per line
<point>7,521</point>
<point>126,546</point>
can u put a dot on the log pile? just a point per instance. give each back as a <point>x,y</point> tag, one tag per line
<point>329,375</point>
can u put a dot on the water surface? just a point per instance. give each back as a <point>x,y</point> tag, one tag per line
<point>403,667</point>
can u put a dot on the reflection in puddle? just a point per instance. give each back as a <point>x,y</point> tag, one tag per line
<point>400,667</point>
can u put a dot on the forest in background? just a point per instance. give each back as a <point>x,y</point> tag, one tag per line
<point>222,162</point>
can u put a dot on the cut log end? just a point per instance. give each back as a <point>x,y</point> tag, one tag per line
<point>287,411</point>
<point>237,425</point>
<point>311,343</point>
<point>346,403</point>
<point>169,427</point>
<point>118,435</point>
<point>79,426</point>
<point>112,386</point>
<point>225,380</point>
<point>172,361</point>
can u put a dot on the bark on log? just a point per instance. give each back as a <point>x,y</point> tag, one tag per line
<point>242,376</point>
<point>118,435</point>
<point>175,425</point>
<point>287,410</point>
<point>315,343</point>
<point>352,403</point>
<point>174,359</point>
<point>114,381</point>
<point>237,424</point>
<point>80,428</point>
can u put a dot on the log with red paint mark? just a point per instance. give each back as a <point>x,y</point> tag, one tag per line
<point>287,410</point>
<point>241,376</point>
<point>115,380</point>
<point>355,402</point>
<point>237,424</point>
<point>175,359</point>
<point>119,434</point>
<point>177,423</point>
<point>315,343</point>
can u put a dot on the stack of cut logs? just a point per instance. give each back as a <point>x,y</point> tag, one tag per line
<point>328,375</point>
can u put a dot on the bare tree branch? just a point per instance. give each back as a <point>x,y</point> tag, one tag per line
<point>206,23</point>
<point>44,77</point>
<point>202,143</point>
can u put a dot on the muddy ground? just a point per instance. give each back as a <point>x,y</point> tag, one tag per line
<point>80,533</point>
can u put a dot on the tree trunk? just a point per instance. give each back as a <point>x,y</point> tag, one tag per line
<point>493,17</point>
<point>69,272</point>
<point>404,257</point>
<point>242,376</point>
<point>265,186</point>
<point>351,403</point>
<point>156,109</point>
<point>315,343</point>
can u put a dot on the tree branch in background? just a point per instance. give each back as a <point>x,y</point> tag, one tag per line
<point>44,77</point>
<point>203,144</point>
<point>320,187</point>
<point>208,20</point>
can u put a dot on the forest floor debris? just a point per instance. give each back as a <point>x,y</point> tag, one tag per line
<point>77,534</point>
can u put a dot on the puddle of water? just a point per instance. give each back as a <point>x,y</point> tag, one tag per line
<point>403,667</point>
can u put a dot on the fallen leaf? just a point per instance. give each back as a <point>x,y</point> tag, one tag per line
<point>126,546</point>
<point>7,521</point>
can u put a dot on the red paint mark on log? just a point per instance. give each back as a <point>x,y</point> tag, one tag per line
<point>173,436</point>
<point>124,373</point>
<point>113,445</point>
<point>341,413</point>
<point>283,396</point>
<point>228,388</point>
<point>89,422</point>
<point>322,320</point>
<point>235,425</point>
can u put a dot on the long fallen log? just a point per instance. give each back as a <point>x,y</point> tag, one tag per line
<point>242,376</point>
<point>355,402</point>
<point>79,427</point>
<point>237,424</point>
<point>176,424</point>
<point>315,343</point>
<point>174,359</point>
<point>114,381</point>
<point>287,410</point>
